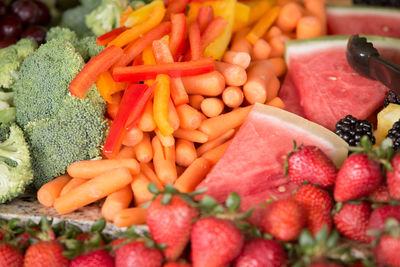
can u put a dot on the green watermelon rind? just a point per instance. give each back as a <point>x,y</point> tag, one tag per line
<point>312,45</point>
<point>357,10</point>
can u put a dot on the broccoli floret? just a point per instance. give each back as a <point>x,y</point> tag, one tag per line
<point>60,128</point>
<point>10,61</point>
<point>15,166</point>
<point>62,33</point>
<point>43,81</point>
<point>74,18</point>
<point>106,16</point>
<point>88,48</point>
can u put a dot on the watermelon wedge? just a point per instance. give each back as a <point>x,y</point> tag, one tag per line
<point>288,94</point>
<point>328,88</point>
<point>383,21</point>
<point>252,165</point>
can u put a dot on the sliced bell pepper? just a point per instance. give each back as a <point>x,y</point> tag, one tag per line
<point>136,31</point>
<point>160,104</point>
<point>178,34</point>
<point>204,17</point>
<point>177,69</point>
<point>124,15</point>
<point>107,86</point>
<point>91,71</point>
<point>176,6</point>
<point>109,36</point>
<point>263,25</point>
<point>133,95</point>
<point>242,16</point>
<point>195,41</point>
<point>137,113</point>
<point>141,14</point>
<point>148,59</point>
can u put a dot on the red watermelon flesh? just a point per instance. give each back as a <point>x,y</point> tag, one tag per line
<point>288,94</point>
<point>363,20</point>
<point>252,165</point>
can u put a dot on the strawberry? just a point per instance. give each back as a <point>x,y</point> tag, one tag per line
<point>170,224</point>
<point>261,252</point>
<point>309,163</point>
<point>393,177</point>
<point>46,254</point>
<point>326,264</point>
<point>115,244</point>
<point>317,204</point>
<point>137,254</point>
<point>95,258</point>
<point>389,247</point>
<point>284,219</point>
<point>379,216</point>
<point>357,177</point>
<point>176,264</point>
<point>352,221</point>
<point>215,242</point>
<point>10,256</point>
<point>380,194</point>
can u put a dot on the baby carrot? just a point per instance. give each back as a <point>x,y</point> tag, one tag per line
<point>185,152</point>
<point>130,216</point>
<point>126,152</point>
<point>208,84</point>
<point>88,169</point>
<point>241,59</point>
<point>317,9</point>
<point>191,135</point>
<point>180,170</point>
<point>212,106</point>
<point>166,140</point>
<point>212,31</point>
<point>273,88</point>
<point>164,162</point>
<point>279,65</point>
<point>48,193</point>
<point>173,117</point>
<point>234,75</point>
<point>195,101</point>
<point>148,171</point>
<point>213,155</point>
<point>72,184</point>
<point>93,190</point>
<point>216,142</point>
<point>308,27</point>
<point>140,189</point>
<point>195,41</point>
<point>240,43</point>
<point>116,201</point>
<point>204,16</point>
<point>132,137</point>
<point>189,117</point>
<point>193,175</point>
<point>216,126</point>
<point>146,122</point>
<point>232,96</point>
<point>277,102</point>
<point>288,17</point>
<point>272,32</point>
<point>261,50</point>
<point>277,44</point>
<point>178,92</point>
<point>143,150</point>
<point>259,74</point>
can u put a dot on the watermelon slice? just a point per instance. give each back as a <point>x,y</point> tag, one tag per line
<point>328,88</point>
<point>383,21</point>
<point>288,94</point>
<point>252,165</point>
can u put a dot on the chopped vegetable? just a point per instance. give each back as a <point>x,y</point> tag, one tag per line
<point>160,104</point>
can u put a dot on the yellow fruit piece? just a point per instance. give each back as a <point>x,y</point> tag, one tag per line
<point>386,118</point>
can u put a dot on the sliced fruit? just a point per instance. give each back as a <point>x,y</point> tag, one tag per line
<point>385,120</point>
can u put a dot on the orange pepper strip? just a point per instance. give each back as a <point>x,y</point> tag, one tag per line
<point>136,31</point>
<point>125,15</point>
<point>107,86</point>
<point>160,104</point>
<point>263,25</point>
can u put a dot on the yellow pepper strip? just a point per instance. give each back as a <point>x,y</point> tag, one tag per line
<point>136,31</point>
<point>160,104</point>
<point>124,15</point>
<point>263,25</point>
<point>148,59</point>
<point>141,14</point>
<point>242,16</point>
<point>107,86</point>
<point>259,9</point>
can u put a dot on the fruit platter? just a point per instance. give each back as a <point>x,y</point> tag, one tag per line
<point>199,133</point>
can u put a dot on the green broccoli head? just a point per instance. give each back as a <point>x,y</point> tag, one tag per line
<point>88,48</point>
<point>62,33</point>
<point>43,80</point>
<point>74,18</point>
<point>15,166</point>
<point>24,47</point>
<point>106,16</point>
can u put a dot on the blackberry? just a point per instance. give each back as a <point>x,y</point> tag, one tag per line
<point>351,130</point>
<point>391,97</point>
<point>394,134</point>
<point>391,3</point>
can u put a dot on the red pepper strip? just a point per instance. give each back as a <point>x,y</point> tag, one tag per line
<point>137,112</point>
<point>195,41</point>
<point>204,17</point>
<point>91,71</point>
<point>178,34</point>
<point>213,31</point>
<point>173,70</point>
<point>163,55</point>
<point>109,36</point>
<point>132,96</point>
<point>137,47</point>
<point>176,6</point>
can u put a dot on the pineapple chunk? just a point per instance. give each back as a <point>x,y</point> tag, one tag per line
<point>386,118</point>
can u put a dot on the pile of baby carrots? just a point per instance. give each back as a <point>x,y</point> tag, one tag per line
<point>178,85</point>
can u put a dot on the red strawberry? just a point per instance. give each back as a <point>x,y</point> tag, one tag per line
<point>393,177</point>
<point>357,177</point>
<point>176,264</point>
<point>389,248</point>
<point>318,205</point>
<point>215,242</point>
<point>326,264</point>
<point>261,252</point>
<point>115,244</point>
<point>137,254</point>
<point>46,254</point>
<point>352,221</point>
<point>93,259</point>
<point>171,224</point>
<point>10,256</point>
<point>380,194</point>
<point>378,216</point>
<point>309,163</point>
<point>2,234</point>
<point>82,237</point>
<point>284,219</point>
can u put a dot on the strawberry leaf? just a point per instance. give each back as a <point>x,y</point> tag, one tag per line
<point>166,198</point>
<point>153,189</point>
<point>233,202</point>
<point>98,225</point>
